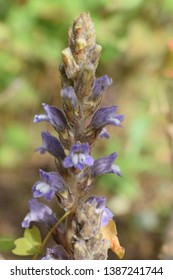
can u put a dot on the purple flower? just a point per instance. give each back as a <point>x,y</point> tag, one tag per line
<point>100,207</point>
<point>100,85</point>
<point>69,97</point>
<point>51,183</point>
<point>56,253</point>
<point>99,202</point>
<point>54,116</point>
<point>104,134</point>
<point>39,213</point>
<point>105,165</point>
<point>52,145</point>
<point>106,116</point>
<point>106,216</point>
<point>79,156</point>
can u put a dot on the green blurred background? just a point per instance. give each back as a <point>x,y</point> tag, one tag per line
<point>137,41</point>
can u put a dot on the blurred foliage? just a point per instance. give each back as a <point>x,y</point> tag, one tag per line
<point>136,37</point>
<point>6,244</point>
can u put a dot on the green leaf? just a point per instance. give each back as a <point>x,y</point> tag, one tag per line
<point>6,244</point>
<point>29,244</point>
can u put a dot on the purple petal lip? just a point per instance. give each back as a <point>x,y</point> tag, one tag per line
<point>42,189</point>
<point>54,116</point>
<point>68,162</point>
<point>79,156</point>
<point>105,165</point>
<point>51,183</point>
<point>116,170</point>
<point>89,161</point>
<point>104,134</point>
<point>40,118</point>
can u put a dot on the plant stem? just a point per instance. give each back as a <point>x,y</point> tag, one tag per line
<point>50,233</point>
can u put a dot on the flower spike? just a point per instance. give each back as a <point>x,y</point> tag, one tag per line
<point>86,231</point>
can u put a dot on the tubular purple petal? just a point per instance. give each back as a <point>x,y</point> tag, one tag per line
<point>104,165</point>
<point>55,117</point>
<point>69,95</point>
<point>52,145</point>
<point>39,213</point>
<point>100,85</point>
<point>106,116</point>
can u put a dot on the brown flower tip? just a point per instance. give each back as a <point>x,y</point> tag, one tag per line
<point>81,57</point>
<point>82,36</point>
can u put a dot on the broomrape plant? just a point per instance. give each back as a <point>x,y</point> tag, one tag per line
<point>87,229</point>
